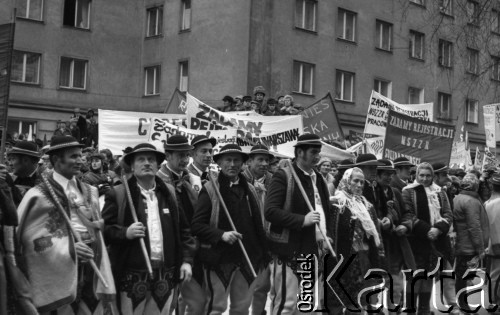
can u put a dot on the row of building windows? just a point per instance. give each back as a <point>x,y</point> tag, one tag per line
<point>77,14</point>
<point>73,73</point>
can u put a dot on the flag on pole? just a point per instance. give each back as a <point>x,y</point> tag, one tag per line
<point>177,103</point>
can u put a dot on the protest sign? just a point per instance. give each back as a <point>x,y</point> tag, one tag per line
<point>278,133</point>
<point>321,119</point>
<point>489,113</point>
<point>121,129</point>
<point>458,158</point>
<point>489,159</point>
<point>376,118</point>
<point>417,139</point>
<point>375,146</point>
<point>355,137</point>
<point>478,160</point>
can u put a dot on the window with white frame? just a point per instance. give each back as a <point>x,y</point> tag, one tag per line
<point>154,21</point>
<point>25,67</point>
<point>445,53</point>
<point>472,8</point>
<point>415,95</point>
<point>303,77</point>
<point>346,25</point>
<point>186,15</point>
<point>446,7</point>
<point>472,61</point>
<point>384,35</point>
<point>472,108</point>
<point>495,21</point>
<point>30,9</point>
<point>152,80</point>
<point>417,45</point>
<point>305,14</point>
<point>183,75</point>
<point>344,86</point>
<point>73,73</point>
<point>383,87</point>
<point>77,13</point>
<point>444,105</point>
<point>495,69</point>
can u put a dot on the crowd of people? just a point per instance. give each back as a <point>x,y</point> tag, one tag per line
<point>184,229</point>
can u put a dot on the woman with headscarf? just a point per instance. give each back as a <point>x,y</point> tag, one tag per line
<point>471,225</point>
<point>357,238</point>
<point>324,167</point>
<point>433,218</point>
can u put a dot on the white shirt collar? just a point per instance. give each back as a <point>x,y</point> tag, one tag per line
<point>197,169</point>
<point>231,184</point>
<point>63,181</point>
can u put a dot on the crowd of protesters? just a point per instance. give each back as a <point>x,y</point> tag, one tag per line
<point>152,231</point>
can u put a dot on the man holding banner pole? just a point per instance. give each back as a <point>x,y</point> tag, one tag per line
<point>232,238</point>
<point>202,155</point>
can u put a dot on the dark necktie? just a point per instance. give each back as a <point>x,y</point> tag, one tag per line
<point>204,176</point>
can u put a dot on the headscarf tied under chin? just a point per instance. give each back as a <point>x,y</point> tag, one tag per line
<point>356,203</point>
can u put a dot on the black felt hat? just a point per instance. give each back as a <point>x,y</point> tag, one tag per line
<point>201,139</point>
<point>25,148</point>
<point>495,179</point>
<point>308,139</point>
<point>367,159</point>
<point>440,167</point>
<point>345,164</point>
<point>141,148</point>
<point>385,165</point>
<point>231,148</point>
<point>261,149</point>
<point>63,142</point>
<point>402,161</point>
<point>178,143</point>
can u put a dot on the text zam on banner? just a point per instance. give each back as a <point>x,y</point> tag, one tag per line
<point>315,287</point>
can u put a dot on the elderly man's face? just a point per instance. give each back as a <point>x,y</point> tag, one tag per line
<point>230,164</point>
<point>145,165</point>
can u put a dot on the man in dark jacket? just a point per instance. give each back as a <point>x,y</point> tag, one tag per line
<point>228,274</point>
<point>294,230</point>
<point>170,246</point>
<point>403,173</point>
<point>24,158</point>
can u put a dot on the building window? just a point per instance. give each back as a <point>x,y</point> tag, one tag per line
<point>384,35</point>
<point>417,45</point>
<point>472,12</point>
<point>305,14</point>
<point>183,76</point>
<point>77,13</point>
<point>415,95</point>
<point>155,21</point>
<point>472,108</point>
<point>445,53</point>
<point>383,87</point>
<point>495,21</point>
<point>446,7</point>
<point>152,80</point>
<point>495,70</point>
<point>73,73</point>
<point>186,15</point>
<point>472,61</point>
<point>444,105</point>
<point>346,25</point>
<point>25,67</point>
<point>345,86</point>
<point>30,9</point>
<point>419,2</point>
<point>303,77</point>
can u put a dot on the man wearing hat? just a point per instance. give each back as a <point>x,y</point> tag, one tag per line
<point>97,177</point>
<point>368,164</point>
<point>484,183</point>
<point>493,210</point>
<point>342,167</point>
<point>55,254</point>
<point>257,174</point>
<point>163,227</point>
<point>202,158</point>
<point>398,253</point>
<point>227,272</point>
<point>294,232</point>
<point>238,103</point>
<point>403,173</point>
<point>175,173</point>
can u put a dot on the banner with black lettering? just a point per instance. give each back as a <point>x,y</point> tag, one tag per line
<point>490,125</point>
<point>378,110</point>
<point>121,129</point>
<point>417,139</point>
<point>458,158</point>
<point>489,160</point>
<point>278,133</point>
<point>321,119</point>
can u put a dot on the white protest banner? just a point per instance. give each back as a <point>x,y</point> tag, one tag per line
<point>489,113</point>
<point>278,133</point>
<point>458,158</point>
<point>378,110</point>
<point>161,130</point>
<point>489,160</point>
<point>121,129</point>
<point>375,146</point>
<point>468,162</point>
<point>478,160</point>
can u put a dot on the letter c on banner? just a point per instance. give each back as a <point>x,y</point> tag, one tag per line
<point>139,131</point>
